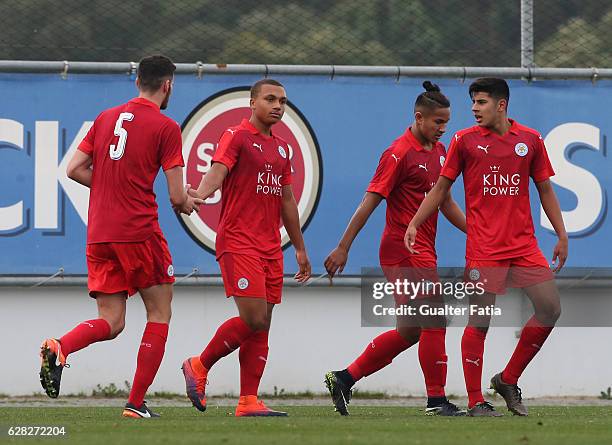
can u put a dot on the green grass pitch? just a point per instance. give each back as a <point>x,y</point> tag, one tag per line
<point>319,425</point>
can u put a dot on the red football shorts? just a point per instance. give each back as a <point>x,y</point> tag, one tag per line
<point>126,267</point>
<point>411,269</point>
<point>497,275</point>
<point>252,276</point>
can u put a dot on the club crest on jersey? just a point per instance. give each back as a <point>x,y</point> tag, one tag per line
<point>170,270</point>
<point>442,159</point>
<point>474,274</point>
<point>521,149</point>
<point>243,283</point>
<point>221,114</point>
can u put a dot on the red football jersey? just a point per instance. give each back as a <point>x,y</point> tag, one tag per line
<point>259,167</point>
<point>128,144</point>
<point>405,174</point>
<point>496,171</point>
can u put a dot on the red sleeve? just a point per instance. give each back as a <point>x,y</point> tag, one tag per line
<point>287,178</point>
<point>387,173</point>
<point>87,144</point>
<point>171,147</point>
<point>228,150</point>
<point>541,168</point>
<point>453,165</point>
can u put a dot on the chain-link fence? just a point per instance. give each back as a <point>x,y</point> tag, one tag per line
<point>567,33</point>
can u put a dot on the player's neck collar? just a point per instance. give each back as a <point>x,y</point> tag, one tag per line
<point>413,141</point>
<point>514,129</point>
<point>253,129</point>
<point>146,102</point>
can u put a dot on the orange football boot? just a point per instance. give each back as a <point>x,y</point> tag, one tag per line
<point>52,363</point>
<point>250,406</point>
<point>196,377</point>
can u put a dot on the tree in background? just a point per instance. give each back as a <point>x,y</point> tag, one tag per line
<point>571,33</point>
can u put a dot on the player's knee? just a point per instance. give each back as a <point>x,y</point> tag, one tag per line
<point>258,323</point>
<point>163,316</point>
<point>482,329</point>
<point>550,315</point>
<point>410,333</point>
<point>555,313</point>
<point>117,327</point>
<point>261,325</point>
<point>159,313</point>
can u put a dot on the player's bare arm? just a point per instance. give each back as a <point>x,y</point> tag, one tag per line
<point>79,168</point>
<point>550,204</point>
<point>338,257</point>
<point>291,220</point>
<point>430,204</point>
<point>453,213</point>
<point>181,201</point>
<point>211,181</point>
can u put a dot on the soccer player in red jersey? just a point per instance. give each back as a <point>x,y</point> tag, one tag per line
<point>118,160</point>
<point>252,165</point>
<point>407,171</point>
<point>497,157</point>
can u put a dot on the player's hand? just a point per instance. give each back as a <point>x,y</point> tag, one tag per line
<point>560,254</point>
<point>192,192</point>
<point>410,238</point>
<point>304,264</point>
<point>190,205</point>
<point>186,208</point>
<point>336,261</point>
<point>195,203</point>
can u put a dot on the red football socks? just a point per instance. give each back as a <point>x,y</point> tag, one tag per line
<point>86,333</point>
<point>229,337</point>
<point>472,351</point>
<point>433,359</point>
<point>378,354</point>
<point>253,355</point>
<point>150,356</point>
<point>532,338</point>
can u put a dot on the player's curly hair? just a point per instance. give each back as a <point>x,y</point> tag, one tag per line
<point>431,99</point>
<point>153,71</point>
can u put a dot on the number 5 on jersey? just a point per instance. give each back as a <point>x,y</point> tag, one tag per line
<point>116,151</point>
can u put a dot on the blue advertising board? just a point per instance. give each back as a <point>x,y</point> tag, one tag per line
<point>337,129</point>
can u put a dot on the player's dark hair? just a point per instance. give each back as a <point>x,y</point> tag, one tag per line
<point>495,87</point>
<point>256,88</point>
<point>431,98</point>
<point>153,71</point>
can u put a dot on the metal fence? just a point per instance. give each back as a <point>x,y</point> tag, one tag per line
<point>551,33</point>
